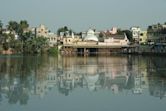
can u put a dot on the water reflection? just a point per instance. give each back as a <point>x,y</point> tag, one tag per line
<point>24,76</point>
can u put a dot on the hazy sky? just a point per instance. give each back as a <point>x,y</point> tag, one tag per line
<point>83,14</point>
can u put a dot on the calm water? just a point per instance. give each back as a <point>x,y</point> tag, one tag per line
<point>116,83</point>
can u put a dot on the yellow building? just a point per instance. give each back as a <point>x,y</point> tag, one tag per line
<point>71,40</point>
<point>143,37</point>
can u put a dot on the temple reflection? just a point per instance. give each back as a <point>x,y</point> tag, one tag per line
<point>23,77</point>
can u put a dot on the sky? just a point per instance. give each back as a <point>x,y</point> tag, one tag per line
<point>81,15</point>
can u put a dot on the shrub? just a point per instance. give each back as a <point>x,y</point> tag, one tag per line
<point>53,51</point>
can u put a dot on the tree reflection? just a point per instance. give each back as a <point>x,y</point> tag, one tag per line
<point>17,76</point>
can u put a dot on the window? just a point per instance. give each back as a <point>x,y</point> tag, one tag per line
<point>141,34</point>
<point>140,39</point>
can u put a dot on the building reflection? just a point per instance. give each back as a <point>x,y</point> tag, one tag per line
<point>23,77</point>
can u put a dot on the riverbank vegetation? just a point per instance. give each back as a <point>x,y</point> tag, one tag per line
<point>18,37</point>
<point>53,51</point>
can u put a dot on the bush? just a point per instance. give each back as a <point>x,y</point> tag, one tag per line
<point>5,46</point>
<point>53,51</point>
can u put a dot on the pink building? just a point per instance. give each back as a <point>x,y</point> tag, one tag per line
<point>112,31</point>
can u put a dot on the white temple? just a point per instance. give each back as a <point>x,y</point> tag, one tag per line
<point>91,36</point>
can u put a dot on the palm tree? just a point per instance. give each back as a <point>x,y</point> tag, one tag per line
<point>13,26</point>
<point>23,26</point>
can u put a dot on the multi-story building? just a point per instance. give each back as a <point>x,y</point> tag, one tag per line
<point>43,31</point>
<point>157,33</point>
<point>136,33</point>
<point>143,37</point>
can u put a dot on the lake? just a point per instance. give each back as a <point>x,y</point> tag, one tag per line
<point>98,83</point>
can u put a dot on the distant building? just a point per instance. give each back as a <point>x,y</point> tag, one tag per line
<point>136,33</point>
<point>42,31</point>
<point>143,37</point>
<point>52,39</point>
<point>116,40</point>
<point>112,31</point>
<point>90,36</point>
<point>90,32</point>
<point>70,39</point>
<point>156,33</point>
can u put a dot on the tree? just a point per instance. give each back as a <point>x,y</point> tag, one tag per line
<point>101,37</point>
<point>13,26</point>
<point>119,31</point>
<point>128,34</point>
<point>35,45</point>
<point>64,29</point>
<point>6,46</point>
<point>17,45</point>
<point>101,34</point>
<point>1,25</point>
<point>23,26</point>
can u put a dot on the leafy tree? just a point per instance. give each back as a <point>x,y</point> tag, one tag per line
<point>23,26</point>
<point>128,34</point>
<point>17,45</point>
<point>1,24</point>
<point>13,26</point>
<point>64,29</point>
<point>19,28</point>
<point>35,45</point>
<point>53,51</point>
<point>101,34</point>
<point>119,31</point>
<point>101,37</point>
<point>5,40</point>
<point>6,46</point>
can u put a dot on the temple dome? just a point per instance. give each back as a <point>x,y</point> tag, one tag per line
<point>91,36</point>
